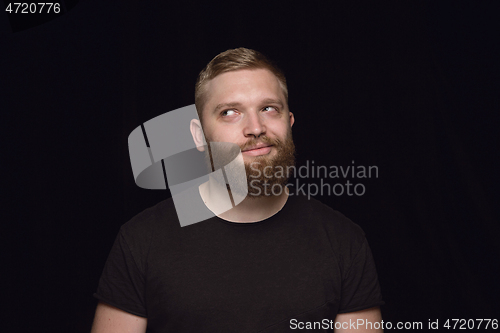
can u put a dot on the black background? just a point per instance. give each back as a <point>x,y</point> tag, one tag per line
<point>409,86</point>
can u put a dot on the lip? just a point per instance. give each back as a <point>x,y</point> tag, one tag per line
<point>257,151</point>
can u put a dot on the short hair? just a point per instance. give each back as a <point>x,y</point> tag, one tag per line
<point>233,60</point>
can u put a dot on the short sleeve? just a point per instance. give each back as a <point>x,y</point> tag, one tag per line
<point>122,283</point>
<point>360,286</point>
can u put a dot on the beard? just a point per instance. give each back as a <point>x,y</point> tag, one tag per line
<point>263,173</point>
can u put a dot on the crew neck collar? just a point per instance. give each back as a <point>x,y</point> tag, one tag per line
<point>266,220</point>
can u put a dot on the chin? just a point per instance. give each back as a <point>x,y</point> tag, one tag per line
<point>250,159</point>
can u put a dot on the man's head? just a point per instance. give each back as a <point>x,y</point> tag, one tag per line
<point>233,60</point>
<point>242,98</point>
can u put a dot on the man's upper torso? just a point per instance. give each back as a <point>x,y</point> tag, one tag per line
<point>307,262</point>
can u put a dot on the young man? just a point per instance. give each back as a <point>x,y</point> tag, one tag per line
<point>275,262</point>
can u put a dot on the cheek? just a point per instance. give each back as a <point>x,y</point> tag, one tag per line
<point>280,130</point>
<point>210,131</point>
<point>222,135</point>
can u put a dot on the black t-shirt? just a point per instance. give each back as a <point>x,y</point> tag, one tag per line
<point>307,262</point>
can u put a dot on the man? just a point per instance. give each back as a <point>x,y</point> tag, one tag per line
<point>275,262</point>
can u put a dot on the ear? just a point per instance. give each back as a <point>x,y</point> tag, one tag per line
<point>292,119</point>
<point>197,133</point>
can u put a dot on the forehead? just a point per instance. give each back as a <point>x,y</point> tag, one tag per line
<point>246,85</point>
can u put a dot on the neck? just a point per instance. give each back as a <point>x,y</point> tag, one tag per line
<point>251,209</point>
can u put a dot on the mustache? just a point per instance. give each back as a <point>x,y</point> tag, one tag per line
<point>266,140</point>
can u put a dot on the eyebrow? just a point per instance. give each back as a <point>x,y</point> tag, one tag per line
<point>273,101</point>
<point>226,105</point>
<point>237,104</point>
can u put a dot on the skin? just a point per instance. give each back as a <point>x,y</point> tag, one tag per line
<point>258,108</point>
<point>109,319</point>
<point>372,315</point>
<point>244,105</point>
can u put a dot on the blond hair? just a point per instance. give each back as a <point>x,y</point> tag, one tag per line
<point>233,60</point>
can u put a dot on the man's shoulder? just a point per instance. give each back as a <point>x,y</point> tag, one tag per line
<point>337,226</point>
<point>160,216</point>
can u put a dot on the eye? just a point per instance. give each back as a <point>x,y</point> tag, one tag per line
<point>228,113</point>
<point>270,108</point>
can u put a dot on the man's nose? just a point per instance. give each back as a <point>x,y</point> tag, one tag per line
<point>254,125</point>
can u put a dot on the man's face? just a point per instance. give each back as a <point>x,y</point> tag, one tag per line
<point>248,108</point>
